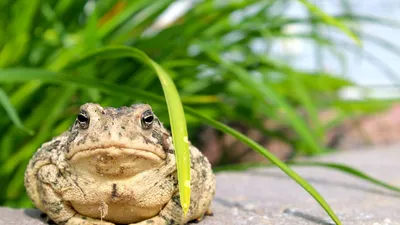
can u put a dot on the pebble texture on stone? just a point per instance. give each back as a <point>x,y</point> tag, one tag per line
<point>268,196</point>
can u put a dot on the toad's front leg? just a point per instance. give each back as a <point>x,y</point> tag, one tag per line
<point>171,214</point>
<point>202,192</point>
<point>50,182</point>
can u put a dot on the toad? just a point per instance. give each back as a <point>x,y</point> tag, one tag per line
<point>116,166</point>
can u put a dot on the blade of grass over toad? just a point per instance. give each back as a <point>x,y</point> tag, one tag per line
<point>330,20</point>
<point>11,112</point>
<point>175,111</point>
<point>272,158</point>
<point>179,134</point>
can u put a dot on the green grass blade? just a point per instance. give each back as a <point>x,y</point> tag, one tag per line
<point>349,170</point>
<point>272,158</point>
<point>42,135</point>
<point>201,99</point>
<point>364,18</point>
<point>179,134</point>
<point>311,109</point>
<point>303,96</point>
<point>330,20</point>
<point>26,74</point>
<point>336,166</point>
<point>175,111</point>
<point>264,91</point>
<point>11,112</point>
<point>20,159</point>
<point>121,17</point>
<point>33,74</point>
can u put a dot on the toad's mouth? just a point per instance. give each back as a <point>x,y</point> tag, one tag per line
<point>117,160</point>
<point>118,149</point>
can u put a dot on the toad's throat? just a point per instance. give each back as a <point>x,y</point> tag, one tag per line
<point>115,161</point>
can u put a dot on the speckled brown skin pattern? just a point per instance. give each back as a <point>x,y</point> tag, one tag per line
<point>115,166</point>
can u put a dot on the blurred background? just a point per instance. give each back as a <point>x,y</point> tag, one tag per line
<point>316,92</point>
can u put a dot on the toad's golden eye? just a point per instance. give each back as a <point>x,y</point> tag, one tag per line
<point>147,119</point>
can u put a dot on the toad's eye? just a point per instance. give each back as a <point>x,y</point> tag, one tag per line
<point>147,119</point>
<point>83,120</point>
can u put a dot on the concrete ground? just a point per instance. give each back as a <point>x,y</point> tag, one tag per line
<point>267,196</point>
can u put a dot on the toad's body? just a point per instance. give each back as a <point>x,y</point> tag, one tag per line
<point>115,166</point>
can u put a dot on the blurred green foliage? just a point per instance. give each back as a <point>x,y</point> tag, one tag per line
<point>209,51</point>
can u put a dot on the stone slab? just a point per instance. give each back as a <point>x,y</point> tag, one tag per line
<point>267,196</point>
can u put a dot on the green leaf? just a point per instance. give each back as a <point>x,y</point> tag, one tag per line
<point>330,20</point>
<point>12,113</point>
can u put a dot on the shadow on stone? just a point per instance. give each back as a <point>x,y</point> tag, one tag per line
<point>290,212</point>
<point>229,204</point>
<point>293,212</point>
<point>35,214</point>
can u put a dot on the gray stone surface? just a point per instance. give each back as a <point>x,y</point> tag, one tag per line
<point>267,196</point>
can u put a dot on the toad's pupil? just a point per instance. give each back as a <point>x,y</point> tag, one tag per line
<point>148,119</point>
<point>82,118</point>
